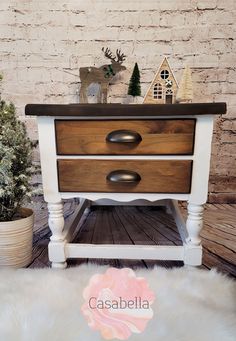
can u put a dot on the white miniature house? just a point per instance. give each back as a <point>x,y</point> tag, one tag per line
<point>164,86</point>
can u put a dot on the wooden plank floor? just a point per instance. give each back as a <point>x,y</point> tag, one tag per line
<point>143,225</point>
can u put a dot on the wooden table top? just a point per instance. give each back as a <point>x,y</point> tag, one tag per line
<point>113,110</point>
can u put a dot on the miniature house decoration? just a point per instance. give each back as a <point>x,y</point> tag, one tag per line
<point>164,86</point>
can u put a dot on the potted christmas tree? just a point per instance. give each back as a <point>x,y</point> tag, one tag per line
<point>16,222</point>
<point>134,89</point>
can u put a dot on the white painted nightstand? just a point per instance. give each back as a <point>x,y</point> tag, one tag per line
<point>125,153</point>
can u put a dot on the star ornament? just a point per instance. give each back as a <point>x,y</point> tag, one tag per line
<point>169,83</point>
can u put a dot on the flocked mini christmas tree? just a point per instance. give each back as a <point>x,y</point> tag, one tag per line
<point>134,83</point>
<point>16,166</point>
<point>185,92</point>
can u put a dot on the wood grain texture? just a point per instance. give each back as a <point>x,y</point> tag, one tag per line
<point>113,110</point>
<point>119,225</point>
<point>158,137</point>
<point>157,176</point>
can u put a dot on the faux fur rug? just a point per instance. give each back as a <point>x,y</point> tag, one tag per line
<point>45,305</point>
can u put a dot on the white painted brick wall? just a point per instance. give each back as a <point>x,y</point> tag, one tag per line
<point>43,44</point>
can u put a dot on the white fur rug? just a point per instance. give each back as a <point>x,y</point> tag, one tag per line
<point>45,305</point>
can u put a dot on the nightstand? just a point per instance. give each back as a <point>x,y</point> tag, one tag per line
<point>118,153</point>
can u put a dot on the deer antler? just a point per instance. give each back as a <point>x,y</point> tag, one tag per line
<point>120,56</point>
<point>108,54</point>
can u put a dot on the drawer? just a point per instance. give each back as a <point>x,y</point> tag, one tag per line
<point>164,136</point>
<point>134,176</point>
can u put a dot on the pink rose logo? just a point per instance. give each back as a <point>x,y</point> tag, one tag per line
<point>117,303</point>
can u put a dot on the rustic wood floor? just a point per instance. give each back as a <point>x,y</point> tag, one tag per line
<point>143,225</point>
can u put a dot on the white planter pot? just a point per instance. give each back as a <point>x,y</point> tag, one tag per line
<point>16,240</point>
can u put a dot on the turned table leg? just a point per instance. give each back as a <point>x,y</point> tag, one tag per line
<point>194,224</point>
<point>56,246</point>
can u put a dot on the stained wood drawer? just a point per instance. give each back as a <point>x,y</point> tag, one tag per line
<point>165,136</point>
<point>157,176</point>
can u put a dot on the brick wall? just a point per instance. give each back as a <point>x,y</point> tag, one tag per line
<point>43,44</point>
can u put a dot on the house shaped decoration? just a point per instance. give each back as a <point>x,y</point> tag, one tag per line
<point>164,86</point>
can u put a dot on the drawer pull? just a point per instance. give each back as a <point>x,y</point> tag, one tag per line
<point>123,176</point>
<point>124,136</point>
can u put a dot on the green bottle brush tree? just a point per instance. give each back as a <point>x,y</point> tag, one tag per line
<point>134,83</point>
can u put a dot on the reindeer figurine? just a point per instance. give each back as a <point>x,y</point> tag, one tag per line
<point>101,75</point>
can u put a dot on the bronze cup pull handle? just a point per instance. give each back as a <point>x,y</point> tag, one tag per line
<point>121,176</point>
<point>124,136</point>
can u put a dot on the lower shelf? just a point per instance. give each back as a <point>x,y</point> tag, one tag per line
<point>112,236</point>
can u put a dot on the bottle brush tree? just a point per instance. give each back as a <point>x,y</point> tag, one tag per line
<point>185,92</point>
<point>16,166</point>
<point>134,83</point>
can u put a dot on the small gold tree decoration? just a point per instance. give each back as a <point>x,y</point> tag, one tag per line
<point>185,91</point>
